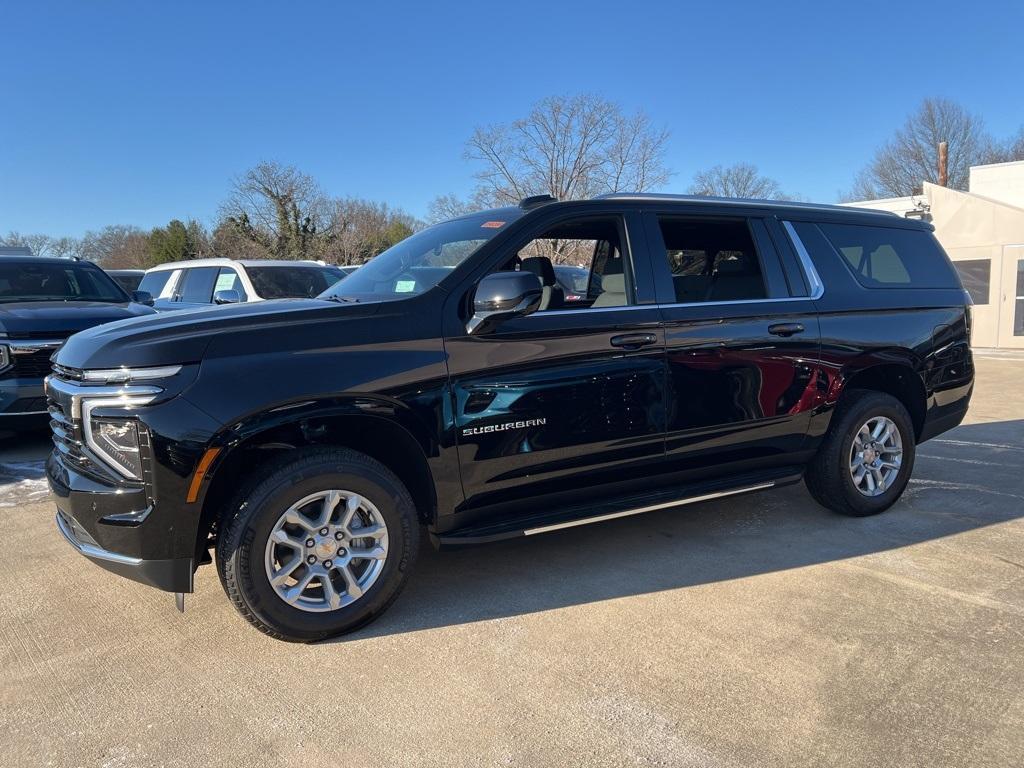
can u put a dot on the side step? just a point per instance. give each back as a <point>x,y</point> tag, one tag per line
<point>571,517</point>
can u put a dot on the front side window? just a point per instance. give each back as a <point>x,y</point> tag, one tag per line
<point>712,260</point>
<point>63,280</point>
<point>197,285</point>
<point>424,259</point>
<point>581,264</point>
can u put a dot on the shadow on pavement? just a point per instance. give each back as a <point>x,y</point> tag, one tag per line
<point>966,479</point>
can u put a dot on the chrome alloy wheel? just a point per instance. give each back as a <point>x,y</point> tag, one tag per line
<point>326,550</point>
<point>876,456</point>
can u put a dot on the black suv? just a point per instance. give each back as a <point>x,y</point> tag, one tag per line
<point>44,300</point>
<point>722,347</point>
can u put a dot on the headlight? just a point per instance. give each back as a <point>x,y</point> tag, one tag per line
<point>5,356</point>
<point>117,441</point>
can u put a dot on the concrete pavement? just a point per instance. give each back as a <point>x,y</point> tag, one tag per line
<point>761,630</point>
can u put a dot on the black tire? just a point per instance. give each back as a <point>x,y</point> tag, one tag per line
<point>828,475</point>
<point>241,546</point>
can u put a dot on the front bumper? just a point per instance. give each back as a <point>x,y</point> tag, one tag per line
<point>168,575</point>
<point>108,526</point>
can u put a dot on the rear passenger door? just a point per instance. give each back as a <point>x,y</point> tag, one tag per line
<point>742,341</point>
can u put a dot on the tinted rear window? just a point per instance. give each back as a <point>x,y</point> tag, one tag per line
<point>884,257</point>
<point>292,282</point>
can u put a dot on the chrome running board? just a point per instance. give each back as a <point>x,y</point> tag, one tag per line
<point>641,510</point>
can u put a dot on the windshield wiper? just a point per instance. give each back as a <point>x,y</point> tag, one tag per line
<point>342,299</point>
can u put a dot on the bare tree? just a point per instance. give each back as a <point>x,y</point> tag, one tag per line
<point>360,229</point>
<point>449,207</point>
<point>911,157</point>
<point>117,242</point>
<point>1008,151</point>
<point>40,245</point>
<point>739,180</point>
<point>570,147</point>
<point>278,208</point>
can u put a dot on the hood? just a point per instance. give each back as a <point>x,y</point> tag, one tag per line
<point>176,338</point>
<point>34,319</point>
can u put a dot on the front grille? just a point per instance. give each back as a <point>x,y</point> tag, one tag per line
<point>34,365</point>
<point>65,436</point>
<point>67,443</point>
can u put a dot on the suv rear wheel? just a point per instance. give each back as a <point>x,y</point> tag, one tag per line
<point>865,461</point>
<point>319,547</point>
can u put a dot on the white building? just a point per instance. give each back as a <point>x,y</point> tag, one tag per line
<point>982,230</point>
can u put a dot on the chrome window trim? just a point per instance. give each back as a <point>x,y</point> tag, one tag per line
<point>813,279</point>
<point>817,286</point>
<point>783,299</point>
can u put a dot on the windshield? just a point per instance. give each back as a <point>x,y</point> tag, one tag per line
<point>60,281</point>
<point>298,282</point>
<point>421,261</point>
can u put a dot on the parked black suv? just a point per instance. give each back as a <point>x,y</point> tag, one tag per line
<point>732,346</point>
<point>42,302</point>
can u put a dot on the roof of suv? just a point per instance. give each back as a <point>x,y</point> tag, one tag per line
<point>225,262</point>
<point>741,201</point>
<point>864,215</point>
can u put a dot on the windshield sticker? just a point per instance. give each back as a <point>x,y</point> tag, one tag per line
<point>225,282</point>
<point>493,224</point>
<point>405,286</point>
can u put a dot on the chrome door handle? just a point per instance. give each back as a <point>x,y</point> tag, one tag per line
<point>785,329</point>
<point>634,340</point>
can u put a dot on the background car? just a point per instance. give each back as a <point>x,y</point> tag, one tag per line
<point>43,300</point>
<point>207,282</point>
<point>128,279</point>
<point>575,281</point>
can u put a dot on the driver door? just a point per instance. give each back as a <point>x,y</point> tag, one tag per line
<point>566,403</point>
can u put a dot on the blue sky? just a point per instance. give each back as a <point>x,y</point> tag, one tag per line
<point>136,113</point>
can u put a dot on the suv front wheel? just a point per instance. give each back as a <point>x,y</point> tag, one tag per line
<point>319,547</point>
<point>864,463</point>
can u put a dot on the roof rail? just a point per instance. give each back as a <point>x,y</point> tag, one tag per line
<point>536,201</point>
<point>745,201</point>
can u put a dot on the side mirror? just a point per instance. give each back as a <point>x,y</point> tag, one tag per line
<point>228,296</point>
<point>142,297</point>
<point>502,295</point>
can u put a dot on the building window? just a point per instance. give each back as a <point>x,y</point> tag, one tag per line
<point>975,275</point>
<point>1018,319</point>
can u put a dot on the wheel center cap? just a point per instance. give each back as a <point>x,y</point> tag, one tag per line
<point>324,549</point>
<point>870,455</point>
